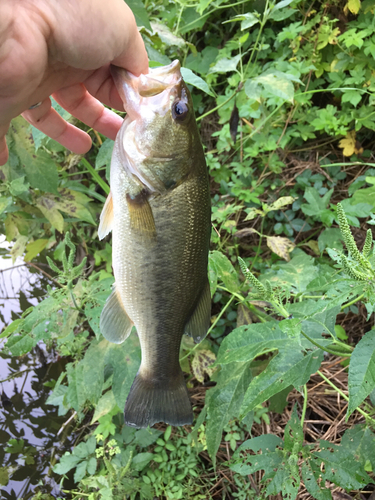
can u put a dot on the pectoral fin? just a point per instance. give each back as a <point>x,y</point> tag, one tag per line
<point>106,218</point>
<point>141,216</point>
<point>199,322</point>
<point>115,324</point>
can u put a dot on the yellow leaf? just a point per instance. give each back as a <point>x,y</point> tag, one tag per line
<point>354,6</point>
<point>280,246</point>
<point>348,143</point>
<point>34,248</point>
<point>201,364</point>
<point>281,202</point>
<point>313,244</point>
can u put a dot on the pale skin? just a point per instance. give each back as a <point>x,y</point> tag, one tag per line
<point>64,49</point>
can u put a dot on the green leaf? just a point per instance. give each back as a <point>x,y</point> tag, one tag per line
<point>72,203</point>
<point>105,404</point>
<point>141,460</point>
<point>224,270</point>
<point>125,360</point>
<point>57,399</point>
<point>225,65</point>
<point>4,476</point>
<point>339,466</point>
<point>195,80</point>
<point>104,156</point>
<point>166,35</point>
<point>310,482</point>
<point>67,463</point>
<point>297,273</point>
<point>289,367</point>
<point>317,205</point>
<point>277,84</point>
<point>361,380</point>
<point>80,471</point>
<point>246,342</point>
<point>270,458</point>
<point>140,13</point>
<point>223,402</point>
<point>247,20</point>
<point>40,170</point>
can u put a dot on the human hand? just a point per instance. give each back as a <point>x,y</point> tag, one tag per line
<point>64,49</point>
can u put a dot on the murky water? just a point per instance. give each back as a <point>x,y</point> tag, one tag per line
<point>24,415</point>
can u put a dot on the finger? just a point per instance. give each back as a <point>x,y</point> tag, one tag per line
<point>89,110</point>
<point>100,84</point>
<point>48,121</point>
<point>3,144</point>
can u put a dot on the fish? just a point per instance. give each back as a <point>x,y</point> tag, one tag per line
<point>159,212</point>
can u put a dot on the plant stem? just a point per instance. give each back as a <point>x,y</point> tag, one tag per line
<point>304,405</point>
<point>352,302</point>
<point>96,176</point>
<point>217,107</point>
<point>366,415</point>
<point>325,349</point>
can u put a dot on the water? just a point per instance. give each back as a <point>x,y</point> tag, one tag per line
<point>24,414</point>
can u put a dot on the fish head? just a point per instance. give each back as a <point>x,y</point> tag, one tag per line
<point>159,134</point>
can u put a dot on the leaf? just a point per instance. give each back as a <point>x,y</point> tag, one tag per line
<point>104,156</point>
<point>125,360</point>
<point>339,466</point>
<point>280,246</point>
<point>277,84</point>
<point>105,404</point>
<point>348,144</point>
<point>297,273</point>
<point>361,380</point>
<point>225,65</point>
<point>247,20</point>
<point>48,208</point>
<point>19,247</point>
<point>281,202</point>
<point>140,13</point>
<point>67,463</point>
<point>141,460</point>
<point>166,35</point>
<point>201,364</point>
<point>195,80</point>
<point>311,484</point>
<point>4,476</point>
<point>289,367</point>
<point>269,460</point>
<point>40,170</point>
<point>34,248</point>
<point>80,471</point>
<point>353,6</point>
<point>223,402</point>
<point>224,270</point>
<point>243,344</point>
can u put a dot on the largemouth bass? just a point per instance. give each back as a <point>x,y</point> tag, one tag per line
<point>159,214</point>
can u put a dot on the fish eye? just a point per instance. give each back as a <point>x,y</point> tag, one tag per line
<point>180,110</point>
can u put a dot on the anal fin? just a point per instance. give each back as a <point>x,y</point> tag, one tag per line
<point>106,218</point>
<point>115,324</point>
<point>199,321</point>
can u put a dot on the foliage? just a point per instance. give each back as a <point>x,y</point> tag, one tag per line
<point>283,92</point>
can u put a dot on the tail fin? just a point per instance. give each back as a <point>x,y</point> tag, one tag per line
<point>153,400</point>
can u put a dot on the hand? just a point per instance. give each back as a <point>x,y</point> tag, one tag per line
<point>64,49</point>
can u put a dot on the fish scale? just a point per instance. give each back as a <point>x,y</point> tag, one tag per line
<point>159,214</point>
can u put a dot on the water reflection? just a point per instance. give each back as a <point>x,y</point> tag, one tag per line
<point>24,415</point>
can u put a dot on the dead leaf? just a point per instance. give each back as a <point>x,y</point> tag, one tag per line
<point>350,145</point>
<point>280,246</point>
<point>201,364</point>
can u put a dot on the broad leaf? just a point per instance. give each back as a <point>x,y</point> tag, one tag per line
<point>195,80</point>
<point>40,169</point>
<point>361,371</point>
<point>223,402</point>
<point>289,367</point>
<point>224,270</point>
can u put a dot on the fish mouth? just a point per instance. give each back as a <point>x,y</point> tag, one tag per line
<point>152,89</point>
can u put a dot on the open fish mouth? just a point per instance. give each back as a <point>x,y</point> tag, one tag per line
<point>155,87</point>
